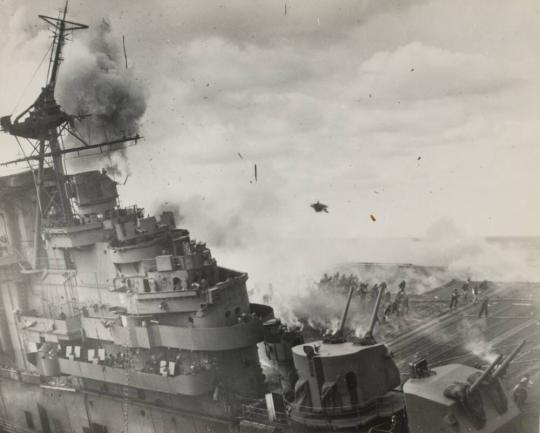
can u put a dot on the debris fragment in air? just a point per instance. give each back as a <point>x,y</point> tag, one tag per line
<point>373,218</point>
<point>240,155</point>
<point>319,207</point>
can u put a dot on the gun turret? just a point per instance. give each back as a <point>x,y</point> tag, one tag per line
<point>480,401</point>
<point>323,370</point>
<point>484,375</point>
<point>345,312</point>
<point>337,337</point>
<point>368,336</point>
<point>501,370</point>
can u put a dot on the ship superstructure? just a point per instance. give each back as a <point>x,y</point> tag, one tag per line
<point>125,305</point>
<point>113,320</point>
<point>104,298</point>
<point>125,299</point>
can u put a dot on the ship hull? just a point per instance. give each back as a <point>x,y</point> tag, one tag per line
<point>28,407</point>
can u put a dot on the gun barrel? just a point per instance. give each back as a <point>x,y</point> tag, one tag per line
<point>485,374</point>
<point>374,316</point>
<point>502,368</point>
<point>345,312</point>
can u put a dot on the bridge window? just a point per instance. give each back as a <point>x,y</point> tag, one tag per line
<point>68,260</point>
<point>98,428</point>
<point>4,241</point>
<point>350,379</point>
<point>146,285</point>
<point>29,419</point>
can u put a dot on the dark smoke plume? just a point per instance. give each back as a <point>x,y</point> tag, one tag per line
<point>95,81</point>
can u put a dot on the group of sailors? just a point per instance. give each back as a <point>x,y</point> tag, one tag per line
<point>161,364</point>
<point>478,294</point>
<point>119,360</point>
<point>393,304</point>
<point>397,305</point>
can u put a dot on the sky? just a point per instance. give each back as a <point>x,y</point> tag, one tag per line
<point>414,112</point>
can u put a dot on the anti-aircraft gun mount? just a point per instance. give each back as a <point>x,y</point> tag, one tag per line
<point>339,335</point>
<point>459,398</point>
<point>345,384</point>
<point>368,338</point>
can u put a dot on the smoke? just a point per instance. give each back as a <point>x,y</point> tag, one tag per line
<point>228,224</point>
<point>475,341</point>
<point>465,256</point>
<point>292,268</point>
<point>94,82</point>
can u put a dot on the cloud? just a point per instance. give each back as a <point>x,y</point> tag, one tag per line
<point>421,72</point>
<point>293,96</point>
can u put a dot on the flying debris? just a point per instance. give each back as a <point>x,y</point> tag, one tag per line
<point>124,47</point>
<point>319,207</point>
<point>419,158</point>
<point>373,218</point>
<point>255,173</point>
<point>240,155</point>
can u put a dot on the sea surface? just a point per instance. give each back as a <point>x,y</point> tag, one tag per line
<point>528,246</point>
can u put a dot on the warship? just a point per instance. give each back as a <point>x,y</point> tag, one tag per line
<point>115,321</point>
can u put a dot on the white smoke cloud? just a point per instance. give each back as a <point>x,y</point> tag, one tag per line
<point>476,342</point>
<point>293,267</point>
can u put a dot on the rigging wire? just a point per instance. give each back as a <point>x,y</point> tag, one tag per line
<point>33,175</point>
<point>104,152</point>
<point>31,79</point>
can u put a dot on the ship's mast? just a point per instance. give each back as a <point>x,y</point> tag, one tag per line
<point>60,28</point>
<point>58,43</point>
<point>43,127</point>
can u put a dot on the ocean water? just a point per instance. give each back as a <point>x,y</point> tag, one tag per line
<point>527,246</point>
